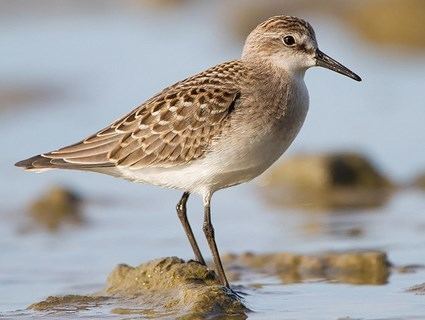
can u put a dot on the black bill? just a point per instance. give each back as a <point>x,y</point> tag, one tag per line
<point>323,60</point>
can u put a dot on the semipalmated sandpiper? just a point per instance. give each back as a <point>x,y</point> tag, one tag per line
<point>219,128</point>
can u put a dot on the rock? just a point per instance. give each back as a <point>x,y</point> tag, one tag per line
<point>56,207</point>
<point>326,181</point>
<point>167,287</point>
<point>355,267</point>
<point>185,288</point>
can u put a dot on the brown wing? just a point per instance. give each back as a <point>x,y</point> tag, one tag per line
<point>172,128</point>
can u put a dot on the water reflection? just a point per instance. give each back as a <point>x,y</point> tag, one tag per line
<point>317,226</point>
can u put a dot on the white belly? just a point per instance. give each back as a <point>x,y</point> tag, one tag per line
<point>239,157</point>
<point>231,162</point>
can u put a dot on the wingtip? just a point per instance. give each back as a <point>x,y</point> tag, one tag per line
<point>28,164</point>
<point>25,164</point>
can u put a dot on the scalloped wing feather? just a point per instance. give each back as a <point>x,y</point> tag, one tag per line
<point>172,128</point>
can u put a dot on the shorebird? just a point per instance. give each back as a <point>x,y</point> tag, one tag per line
<point>216,129</point>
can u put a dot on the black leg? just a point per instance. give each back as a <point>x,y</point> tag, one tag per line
<point>181,212</point>
<point>209,234</point>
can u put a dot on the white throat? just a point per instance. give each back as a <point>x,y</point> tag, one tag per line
<point>293,65</point>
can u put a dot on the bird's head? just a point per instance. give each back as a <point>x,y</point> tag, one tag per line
<point>289,43</point>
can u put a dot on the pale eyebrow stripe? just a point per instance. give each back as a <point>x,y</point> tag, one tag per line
<point>271,35</point>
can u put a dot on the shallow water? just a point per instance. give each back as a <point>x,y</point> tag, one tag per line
<point>104,63</point>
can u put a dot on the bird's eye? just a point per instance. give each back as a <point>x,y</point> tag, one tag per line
<point>289,40</point>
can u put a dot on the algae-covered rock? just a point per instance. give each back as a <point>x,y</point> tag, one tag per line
<point>170,284</point>
<point>322,181</point>
<point>167,288</point>
<point>356,267</point>
<point>370,267</point>
<point>57,206</point>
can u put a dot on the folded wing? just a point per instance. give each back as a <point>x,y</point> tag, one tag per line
<point>174,127</point>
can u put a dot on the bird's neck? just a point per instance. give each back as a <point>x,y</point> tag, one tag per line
<point>278,86</point>
<point>276,69</point>
<point>273,75</point>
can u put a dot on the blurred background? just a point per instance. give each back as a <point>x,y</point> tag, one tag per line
<point>353,179</point>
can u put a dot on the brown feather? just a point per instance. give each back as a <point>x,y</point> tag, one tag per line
<point>174,127</point>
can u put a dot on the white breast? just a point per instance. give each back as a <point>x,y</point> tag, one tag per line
<point>237,158</point>
<point>248,154</point>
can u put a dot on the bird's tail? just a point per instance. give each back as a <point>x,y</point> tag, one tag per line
<point>41,163</point>
<point>89,154</point>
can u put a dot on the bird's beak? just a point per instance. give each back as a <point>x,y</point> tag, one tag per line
<point>323,60</point>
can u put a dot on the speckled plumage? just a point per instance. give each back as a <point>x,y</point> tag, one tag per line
<point>172,128</point>
<point>219,128</point>
<point>180,124</point>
